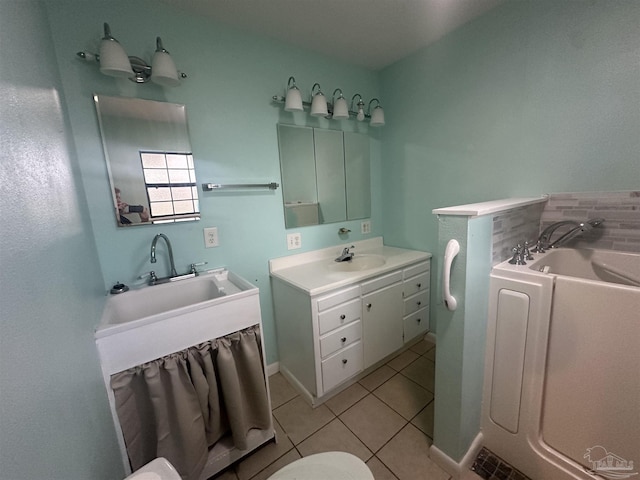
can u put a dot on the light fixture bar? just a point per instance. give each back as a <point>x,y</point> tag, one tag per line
<point>281,99</point>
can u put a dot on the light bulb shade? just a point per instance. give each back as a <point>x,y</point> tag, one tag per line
<point>293,100</point>
<point>319,105</point>
<point>340,109</point>
<point>377,117</point>
<point>113,59</point>
<point>163,70</point>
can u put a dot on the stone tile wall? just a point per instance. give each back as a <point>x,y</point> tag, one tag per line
<point>621,211</point>
<point>514,227</point>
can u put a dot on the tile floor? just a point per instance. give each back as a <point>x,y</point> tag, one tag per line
<point>386,419</point>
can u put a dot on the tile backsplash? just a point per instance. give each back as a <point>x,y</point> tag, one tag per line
<point>621,211</point>
<point>512,227</point>
<point>620,230</point>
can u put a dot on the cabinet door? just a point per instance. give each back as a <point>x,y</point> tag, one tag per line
<point>382,323</point>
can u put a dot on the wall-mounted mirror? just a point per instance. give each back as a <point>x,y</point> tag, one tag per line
<point>149,160</point>
<point>325,175</point>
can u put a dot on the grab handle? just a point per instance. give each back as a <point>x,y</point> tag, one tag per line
<point>453,248</point>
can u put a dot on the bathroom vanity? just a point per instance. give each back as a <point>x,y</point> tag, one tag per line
<point>336,321</point>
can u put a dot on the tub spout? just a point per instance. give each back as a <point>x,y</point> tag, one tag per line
<point>578,228</point>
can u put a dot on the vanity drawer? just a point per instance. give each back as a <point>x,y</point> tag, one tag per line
<point>341,366</point>
<point>381,282</point>
<point>415,284</point>
<point>415,324</point>
<point>337,298</point>
<point>416,302</point>
<point>340,338</point>
<point>340,315</point>
<point>416,269</point>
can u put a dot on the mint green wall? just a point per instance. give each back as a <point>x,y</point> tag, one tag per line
<point>532,97</point>
<point>232,122</point>
<point>54,417</point>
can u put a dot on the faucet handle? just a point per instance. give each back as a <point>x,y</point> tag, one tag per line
<point>526,254</point>
<point>194,266</point>
<point>152,277</point>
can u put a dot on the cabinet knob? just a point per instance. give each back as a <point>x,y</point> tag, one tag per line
<point>343,316</point>
<point>344,361</point>
<point>343,339</point>
<point>368,306</point>
<point>418,320</point>
<point>419,303</point>
<point>419,285</point>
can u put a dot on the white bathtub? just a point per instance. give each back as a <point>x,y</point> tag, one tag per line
<point>562,372</point>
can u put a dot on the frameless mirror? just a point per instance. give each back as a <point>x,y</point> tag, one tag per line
<point>149,160</point>
<point>325,175</point>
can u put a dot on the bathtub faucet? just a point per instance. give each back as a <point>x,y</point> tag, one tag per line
<point>578,228</point>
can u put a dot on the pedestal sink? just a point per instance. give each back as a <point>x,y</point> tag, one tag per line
<point>358,263</point>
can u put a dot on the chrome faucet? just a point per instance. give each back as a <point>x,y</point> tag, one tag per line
<point>153,252</point>
<point>544,240</point>
<point>346,255</point>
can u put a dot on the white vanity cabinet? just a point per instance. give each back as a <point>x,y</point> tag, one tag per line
<point>329,337</point>
<point>416,290</point>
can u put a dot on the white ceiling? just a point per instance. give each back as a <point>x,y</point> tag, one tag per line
<point>369,33</point>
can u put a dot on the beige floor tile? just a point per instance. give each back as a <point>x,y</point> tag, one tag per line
<point>346,398</point>
<point>407,456</point>
<point>281,391</point>
<point>299,420</point>
<point>286,459</point>
<point>403,395</point>
<point>334,436</point>
<point>431,355</point>
<point>402,360</point>
<point>377,378</point>
<point>265,456</point>
<point>424,420</point>
<point>380,472</point>
<point>373,422</point>
<point>228,474</point>
<point>422,347</point>
<point>468,475</point>
<point>422,371</point>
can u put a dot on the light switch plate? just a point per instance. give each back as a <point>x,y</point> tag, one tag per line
<point>365,227</point>
<point>294,241</point>
<point>211,237</point>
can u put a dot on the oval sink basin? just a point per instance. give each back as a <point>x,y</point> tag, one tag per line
<point>358,263</point>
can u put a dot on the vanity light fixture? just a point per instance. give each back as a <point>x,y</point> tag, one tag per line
<point>115,62</point>
<point>377,116</point>
<point>360,106</point>
<point>338,109</point>
<point>293,100</point>
<point>318,102</point>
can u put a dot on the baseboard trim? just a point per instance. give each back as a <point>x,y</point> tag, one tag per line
<point>453,468</point>
<point>273,368</point>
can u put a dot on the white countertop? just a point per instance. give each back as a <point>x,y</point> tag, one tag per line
<point>486,208</point>
<point>311,271</point>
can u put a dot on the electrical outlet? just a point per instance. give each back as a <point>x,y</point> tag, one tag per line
<point>211,237</point>
<point>294,240</point>
<point>365,227</point>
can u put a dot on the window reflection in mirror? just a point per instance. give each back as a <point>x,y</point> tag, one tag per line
<point>149,160</point>
<point>325,175</point>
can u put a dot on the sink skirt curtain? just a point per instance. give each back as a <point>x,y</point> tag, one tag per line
<point>180,405</point>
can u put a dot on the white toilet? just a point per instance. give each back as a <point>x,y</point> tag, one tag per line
<point>321,466</point>
<point>325,466</point>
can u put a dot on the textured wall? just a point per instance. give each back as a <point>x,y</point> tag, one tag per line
<point>54,418</point>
